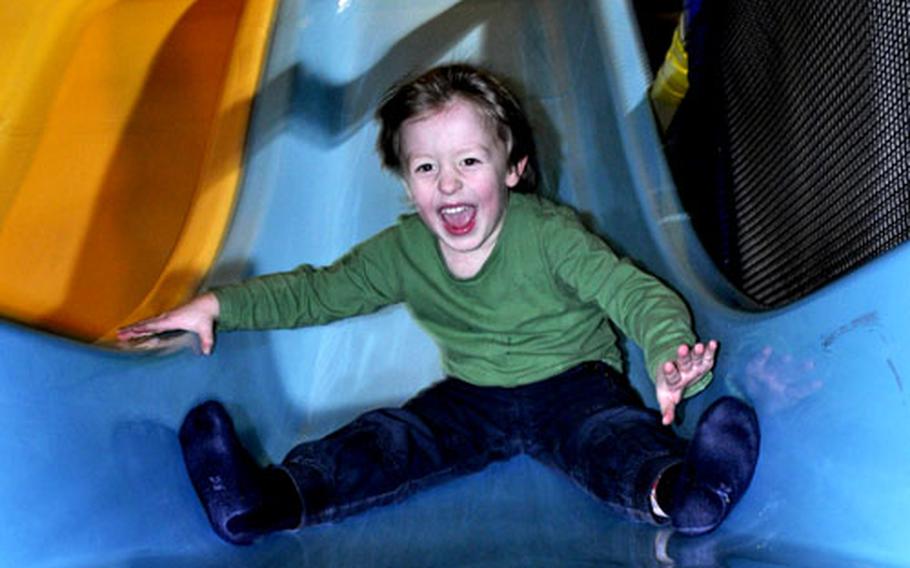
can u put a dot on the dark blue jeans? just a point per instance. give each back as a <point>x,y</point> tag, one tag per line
<point>588,422</point>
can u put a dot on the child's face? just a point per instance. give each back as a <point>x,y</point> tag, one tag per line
<point>457,174</point>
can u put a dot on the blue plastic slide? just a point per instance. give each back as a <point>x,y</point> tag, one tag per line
<point>91,474</point>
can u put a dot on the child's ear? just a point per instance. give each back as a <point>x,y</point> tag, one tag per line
<point>515,172</point>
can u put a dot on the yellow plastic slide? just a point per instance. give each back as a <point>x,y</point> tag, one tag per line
<point>122,124</point>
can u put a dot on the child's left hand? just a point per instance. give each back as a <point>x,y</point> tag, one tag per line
<point>674,376</point>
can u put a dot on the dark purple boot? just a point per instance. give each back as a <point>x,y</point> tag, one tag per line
<point>718,467</point>
<point>241,499</point>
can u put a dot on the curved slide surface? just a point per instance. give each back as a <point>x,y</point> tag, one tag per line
<point>92,474</point>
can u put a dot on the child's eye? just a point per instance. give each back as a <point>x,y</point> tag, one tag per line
<point>423,168</point>
<point>471,161</point>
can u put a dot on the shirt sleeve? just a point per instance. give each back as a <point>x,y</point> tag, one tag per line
<point>641,306</point>
<point>361,282</point>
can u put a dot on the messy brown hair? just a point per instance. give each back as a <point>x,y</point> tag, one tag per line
<point>438,87</point>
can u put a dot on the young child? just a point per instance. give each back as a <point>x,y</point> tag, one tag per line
<point>519,297</point>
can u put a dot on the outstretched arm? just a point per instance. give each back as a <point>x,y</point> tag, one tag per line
<point>673,377</point>
<point>198,316</point>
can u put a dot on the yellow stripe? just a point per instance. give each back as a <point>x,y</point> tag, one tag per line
<point>121,147</point>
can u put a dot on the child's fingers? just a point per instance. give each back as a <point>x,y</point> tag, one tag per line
<point>704,355</point>
<point>671,373</point>
<point>698,357</point>
<point>145,328</point>
<point>206,340</point>
<point>141,328</point>
<point>711,349</point>
<point>132,332</point>
<point>709,353</point>
<point>668,410</point>
<point>684,360</point>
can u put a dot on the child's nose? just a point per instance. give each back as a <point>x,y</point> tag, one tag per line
<point>449,181</point>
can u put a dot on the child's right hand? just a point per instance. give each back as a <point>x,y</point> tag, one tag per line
<point>197,316</point>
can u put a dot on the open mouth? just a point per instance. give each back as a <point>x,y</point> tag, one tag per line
<point>458,219</point>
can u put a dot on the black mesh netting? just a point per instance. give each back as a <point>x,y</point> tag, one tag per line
<point>792,149</point>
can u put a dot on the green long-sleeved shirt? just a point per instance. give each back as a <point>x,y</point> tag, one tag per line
<point>541,304</point>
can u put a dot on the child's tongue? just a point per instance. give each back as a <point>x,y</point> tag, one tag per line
<point>459,220</point>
